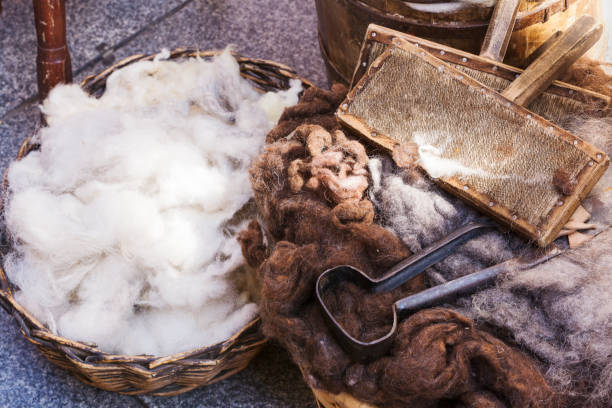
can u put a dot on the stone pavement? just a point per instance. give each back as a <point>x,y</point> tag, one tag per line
<point>279,30</point>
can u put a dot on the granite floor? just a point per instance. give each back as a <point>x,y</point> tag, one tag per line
<point>256,29</point>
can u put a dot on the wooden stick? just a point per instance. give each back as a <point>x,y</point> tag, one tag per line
<point>53,59</point>
<point>541,49</point>
<point>577,40</point>
<point>500,29</point>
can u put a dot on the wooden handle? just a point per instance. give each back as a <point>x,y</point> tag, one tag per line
<point>574,43</point>
<point>53,59</point>
<point>541,49</point>
<point>500,30</point>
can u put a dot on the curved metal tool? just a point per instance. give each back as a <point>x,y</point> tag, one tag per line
<point>368,350</point>
<point>396,276</point>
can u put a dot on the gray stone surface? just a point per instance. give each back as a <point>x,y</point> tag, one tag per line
<point>27,379</point>
<point>280,30</point>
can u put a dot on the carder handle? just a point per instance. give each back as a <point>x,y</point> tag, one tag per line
<point>417,263</point>
<point>500,30</point>
<point>541,49</point>
<point>572,44</point>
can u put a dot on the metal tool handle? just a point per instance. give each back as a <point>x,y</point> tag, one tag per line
<point>417,263</point>
<point>500,29</point>
<point>465,285</point>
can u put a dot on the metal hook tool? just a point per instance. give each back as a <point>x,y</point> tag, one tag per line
<point>403,272</point>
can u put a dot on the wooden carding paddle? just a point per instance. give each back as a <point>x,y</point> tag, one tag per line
<point>479,144</point>
<point>558,102</point>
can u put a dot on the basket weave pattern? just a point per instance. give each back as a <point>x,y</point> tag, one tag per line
<point>162,376</point>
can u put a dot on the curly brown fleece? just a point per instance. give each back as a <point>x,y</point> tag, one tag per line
<point>439,359</point>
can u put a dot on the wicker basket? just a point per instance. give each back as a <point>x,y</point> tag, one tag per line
<point>163,376</point>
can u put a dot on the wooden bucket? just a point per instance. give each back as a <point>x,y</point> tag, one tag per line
<point>343,23</point>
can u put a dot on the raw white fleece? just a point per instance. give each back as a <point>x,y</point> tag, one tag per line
<point>122,222</point>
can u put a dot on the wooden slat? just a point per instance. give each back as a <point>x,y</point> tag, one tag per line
<point>540,50</point>
<point>573,44</point>
<point>500,30</point>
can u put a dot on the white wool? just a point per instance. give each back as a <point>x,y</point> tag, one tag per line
<point>430,158</point>
<point>433,146</point>
<point>123,223</point>
<point>164,54</point>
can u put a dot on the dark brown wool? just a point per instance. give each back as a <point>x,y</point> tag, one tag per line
<point>439,359</point>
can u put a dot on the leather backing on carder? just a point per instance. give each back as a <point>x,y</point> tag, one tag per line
<point>558,102</point>
<point>495,154</point>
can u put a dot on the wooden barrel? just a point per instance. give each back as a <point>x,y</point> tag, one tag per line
<point>342,25</point>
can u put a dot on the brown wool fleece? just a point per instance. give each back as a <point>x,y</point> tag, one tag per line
<point>439,359</point>
<point>591,74</point>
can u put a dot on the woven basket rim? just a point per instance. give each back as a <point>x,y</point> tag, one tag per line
<point>266,75</point>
